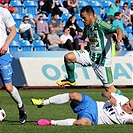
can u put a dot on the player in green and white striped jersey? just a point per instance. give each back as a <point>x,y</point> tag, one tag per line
<point>98,35</point>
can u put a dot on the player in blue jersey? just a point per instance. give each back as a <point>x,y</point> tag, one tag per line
<point>117,109</point>
<point>98,35</point>
<point>7,21</point>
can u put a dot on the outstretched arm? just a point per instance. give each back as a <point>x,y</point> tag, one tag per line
<point>119,35</point>
<point>9,39</point>
<point>109,97</point>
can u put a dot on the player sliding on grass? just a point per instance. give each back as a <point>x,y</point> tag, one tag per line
<point>98,34</point>
<point>117,109</point>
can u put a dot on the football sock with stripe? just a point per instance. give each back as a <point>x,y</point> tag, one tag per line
<point>119,92</point>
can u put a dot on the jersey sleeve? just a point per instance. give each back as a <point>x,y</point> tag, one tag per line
<point>120,99</point>
<point>106,27</point>
<point>9,21</point>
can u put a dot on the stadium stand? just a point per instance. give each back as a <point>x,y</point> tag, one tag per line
<point>25,45</point>
<point>19,5</point>
<point>14,46</point>
<point>30,7</point>
<point>17,37</point>
<point>96,6</point>
<point>129,29</point>
<point>17,18</point>
<point>106,5</point>
<point>38,45</point>
<point>65,17</point>
<point>82,3</point>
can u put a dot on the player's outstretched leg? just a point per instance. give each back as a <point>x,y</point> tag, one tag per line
<point>66,122</point>
<point>57,99</point>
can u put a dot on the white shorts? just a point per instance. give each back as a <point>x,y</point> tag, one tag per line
<point>102,72</point>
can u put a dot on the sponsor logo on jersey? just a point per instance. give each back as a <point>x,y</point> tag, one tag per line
<point>93,40</point>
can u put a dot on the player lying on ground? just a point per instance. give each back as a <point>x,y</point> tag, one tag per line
<point>117,109</point>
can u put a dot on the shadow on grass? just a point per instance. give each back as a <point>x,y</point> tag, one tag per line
<point>14,122</point>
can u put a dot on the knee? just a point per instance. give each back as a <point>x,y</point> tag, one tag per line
<point>83,122</point>
<point>70,57</point>
<point>67,57</point>
<point>75,96</point>
<point>8,87</point>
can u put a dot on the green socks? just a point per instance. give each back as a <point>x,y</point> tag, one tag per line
<point>70,71</point>
<point>119,92</point>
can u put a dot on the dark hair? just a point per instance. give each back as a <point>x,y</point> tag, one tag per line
<point>79,30</point>
<point>66,27</point>
<point>117,1</point>
<point>117,14</point>
<point>71,17</point>
<point>53,14</point>
<point>40,13</point>
<point>25,18</point>
<point>87,9</point>
<point>125,3</point>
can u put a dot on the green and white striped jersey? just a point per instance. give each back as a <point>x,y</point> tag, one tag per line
<point>100,41</point>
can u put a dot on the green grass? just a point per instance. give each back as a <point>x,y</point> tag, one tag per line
<point>11,123</point>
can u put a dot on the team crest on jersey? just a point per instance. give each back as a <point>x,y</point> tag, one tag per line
<point>93,40</point>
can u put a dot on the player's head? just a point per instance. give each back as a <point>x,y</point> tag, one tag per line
<point>87,15</point>
<point>128,107</point>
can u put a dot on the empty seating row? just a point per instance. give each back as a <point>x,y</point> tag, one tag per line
<point>25,45</point>
<point>27,7</point>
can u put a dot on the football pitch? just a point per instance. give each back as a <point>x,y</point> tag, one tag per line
<point>11,123</point>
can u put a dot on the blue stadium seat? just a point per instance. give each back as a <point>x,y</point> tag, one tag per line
<point>129,3</point>
<point>106,5</point>
<point>66,16</point>
<point>17,37</point>
<point>29,15</point>
<point>129,29</point>
<point>80,24</point>
<point>82,4</point>
<point>17,18</point>
<point>13,46</point>
<point>38,45</point>
<point>30,7</point>
<point>25,45</point>
<point>96,6</point>
<point>45,18</point>
<point>77,15</point>
<point>19,5</point>
<point>121,3</point>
